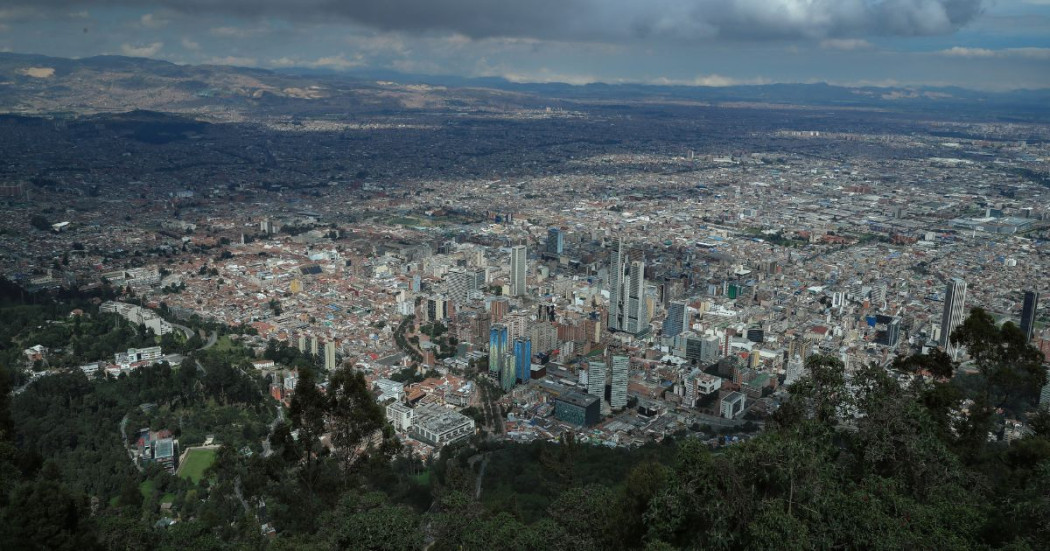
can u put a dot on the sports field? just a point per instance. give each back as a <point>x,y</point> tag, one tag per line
<point>197,461</point>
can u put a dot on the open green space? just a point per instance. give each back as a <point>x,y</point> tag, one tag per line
<point>147,488</point>
<point>197,461</point>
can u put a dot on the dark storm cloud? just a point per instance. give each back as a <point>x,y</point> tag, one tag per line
<point>597,19</point>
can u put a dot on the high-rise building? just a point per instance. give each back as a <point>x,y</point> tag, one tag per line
<point>506,376</point>
<point>596,380</point>
<point>1031,304</point>
<point>497,347</point>
<point>794,370</point>
<point>628,309</point>
<point>498,307</point>
<point>555,241</point>
<point>329,355</point>
<point>522,359</point>
<point>518,270</point>
<point>616,285</point>
<point>437,308</point>
<point>676,321</point>
<point>637,312</point>
<point>888,330</point>
<point>954,312</point>
<point>463,283</point>
<point>1044,393</point>
<point>544,337</point>
<point>619,369</point>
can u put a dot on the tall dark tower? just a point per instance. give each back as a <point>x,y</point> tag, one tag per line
<point>1031,304</point>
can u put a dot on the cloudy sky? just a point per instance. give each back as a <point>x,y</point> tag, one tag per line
<point>984,44</point>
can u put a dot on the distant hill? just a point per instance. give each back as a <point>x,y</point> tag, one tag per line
<point>34,84</point>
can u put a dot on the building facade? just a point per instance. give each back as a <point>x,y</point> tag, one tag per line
<point>555,241</point>
<point>1028,311</point>
<point>578,409</point>
<point>522,359</point>
<point>954,313</point>
<point>676,319</point>
<point>518,270</point>
<point>497,347</point>
<point>619,370</point>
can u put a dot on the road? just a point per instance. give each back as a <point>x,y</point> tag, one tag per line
<point>127,447</point>
<point>267,451</point>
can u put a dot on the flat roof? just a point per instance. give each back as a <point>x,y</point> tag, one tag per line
<point>577,399</point>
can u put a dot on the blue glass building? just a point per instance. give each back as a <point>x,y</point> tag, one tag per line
<point>522,359</point>
<point>555,241</point>
<point>497,347</point>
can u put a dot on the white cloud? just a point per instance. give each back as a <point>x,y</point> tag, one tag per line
<point>985,53</point>
<point>846,44</point>
<point>959,51</point>
<point>190,44</point>
<point>545,75</point>
<point>148,50</point>
<point>151,21</point>
<point>712,80</point>
<point>338,62</point>
<point>232,60</point>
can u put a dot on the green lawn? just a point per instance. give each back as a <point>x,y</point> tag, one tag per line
<point>223,345</point>
<point>146,489</point>
<point>423,478</point>
<point>197,461</point>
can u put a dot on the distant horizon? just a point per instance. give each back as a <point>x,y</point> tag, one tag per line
<point>971,44</point>
<point>351,71</point>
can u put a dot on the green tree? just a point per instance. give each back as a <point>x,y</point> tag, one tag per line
<point>1013,369</point>
<point>356,418</point>
<point>39,222</point>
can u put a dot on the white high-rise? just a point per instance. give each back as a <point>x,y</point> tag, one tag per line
<point>618,382</point>
<point>518,270</point>
<point>954,312</point>
<point>596,380</point>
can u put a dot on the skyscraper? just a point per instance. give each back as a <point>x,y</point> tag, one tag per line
<point>463,283</point>
<point>618,391</point>
<point>497,347</point>
<point>676,319</point>
<point>506,377</point>
<point>329,355</point>
<point>555,241</point>
<point>596,380</point>
<point>518,269</point>
<point>954,312</point>
<point>628,310</point>
<point>460,284</point>
<point>522,359</point>
<point>636,318</point>
<point>1031,304</point>
<point>616,285</point>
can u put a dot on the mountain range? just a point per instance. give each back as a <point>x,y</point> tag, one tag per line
<point>35,84</point>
